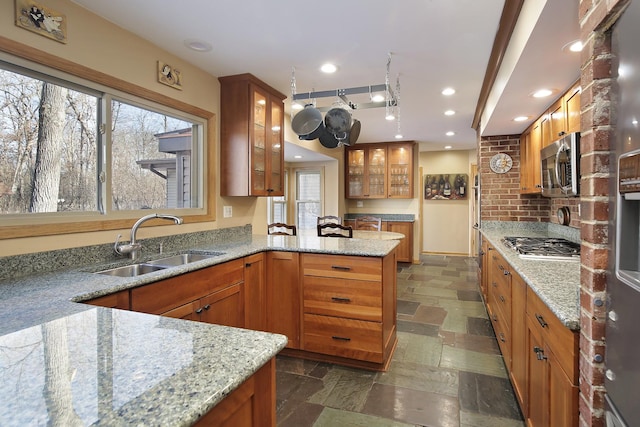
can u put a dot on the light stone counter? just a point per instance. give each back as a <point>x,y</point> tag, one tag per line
<point>557,283</point>
<point>115,367</point>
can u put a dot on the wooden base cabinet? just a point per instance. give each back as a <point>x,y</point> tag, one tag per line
<point>283,296</point>
<point>404,251</point>
<point>116,300</point>
<point>540,353</point>
<point>552,368</point>
<point>252,404</point>
<point>212,295</point>
<point>349,306</point>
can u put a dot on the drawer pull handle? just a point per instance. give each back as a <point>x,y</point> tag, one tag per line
<point>335,337</point>
<point>502,338</point>
<point>494,318</point>
<point>207,307</point>
<point>539,353</point>
<point>494,284</point>
<point>506,272</point>
<point>500,267</point>
<point>502,298</point>
<point>340,267</point>
<point>340,299</point>
<point>541,320</point>
<point>198,311</point>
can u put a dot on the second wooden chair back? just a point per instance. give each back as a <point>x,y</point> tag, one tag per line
<point>368,223</point>
<point>329,219</point>
<point>334,230</point>
<point>281,229</point>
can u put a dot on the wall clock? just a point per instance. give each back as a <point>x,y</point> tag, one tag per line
<point>501,163</point>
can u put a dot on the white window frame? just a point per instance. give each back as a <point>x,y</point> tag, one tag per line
<point>320,171</point>
<point>272,202</point>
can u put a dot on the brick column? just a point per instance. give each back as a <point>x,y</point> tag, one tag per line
<point>598,74</point>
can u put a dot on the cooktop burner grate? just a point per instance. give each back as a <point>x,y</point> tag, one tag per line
<point>544,248</point>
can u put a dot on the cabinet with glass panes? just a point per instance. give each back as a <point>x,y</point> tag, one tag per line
<point>379,171</point>
<point>252,138</point>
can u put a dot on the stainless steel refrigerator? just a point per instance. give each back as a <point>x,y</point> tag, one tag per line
<point>622,376</point>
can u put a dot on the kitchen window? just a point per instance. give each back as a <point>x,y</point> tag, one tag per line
<point>308,198</point>
<point>278,205</point>
<point>73,151</point>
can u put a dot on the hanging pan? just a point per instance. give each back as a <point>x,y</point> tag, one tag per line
<point>338,121</point>
<point>308,124</point>
<point>354,133</point>
<point>327,139</point>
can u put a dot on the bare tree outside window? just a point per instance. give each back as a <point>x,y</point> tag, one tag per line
<point>50,146</point>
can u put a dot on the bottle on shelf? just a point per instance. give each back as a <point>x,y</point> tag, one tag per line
<point>446,191</point>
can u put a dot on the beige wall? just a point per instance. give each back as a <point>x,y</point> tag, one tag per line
<point>447,224</point>
<point>98,44</point>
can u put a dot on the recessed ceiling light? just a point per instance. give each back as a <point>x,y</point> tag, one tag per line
<point>296,106</point>
<point>297,157</point>
<point>573,46</point>
<point>398,136</point>
<point>448,147</point>
<point>328,68</point>
<point>541,93</point>
<point>520,118</point>
<point>377,97</point>
<point>449,113</point>
<point>450,133</point>
<point>634,122</point>
<point>448,91</point>
<point>198,45</point>
<point>390,116</point>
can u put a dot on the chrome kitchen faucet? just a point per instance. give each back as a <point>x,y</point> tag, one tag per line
<point>133,247</point>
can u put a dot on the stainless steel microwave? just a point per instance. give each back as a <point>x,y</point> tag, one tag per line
<point>560,167</point>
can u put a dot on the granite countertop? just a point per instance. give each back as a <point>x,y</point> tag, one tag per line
<point>557,283</point>
<point>117,367</point>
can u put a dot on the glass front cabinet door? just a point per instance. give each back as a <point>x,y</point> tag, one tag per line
<point>251,137</point>
<point>379,171</point>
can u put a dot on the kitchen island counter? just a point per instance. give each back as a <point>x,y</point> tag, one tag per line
<point>109,366</point>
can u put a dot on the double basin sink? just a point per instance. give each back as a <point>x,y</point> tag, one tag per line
<point>134,270</point>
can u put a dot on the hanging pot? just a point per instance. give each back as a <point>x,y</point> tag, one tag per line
<point>308,124</point>
<point>327,139</point>
<point>354,133</point>
<point>337,121</point>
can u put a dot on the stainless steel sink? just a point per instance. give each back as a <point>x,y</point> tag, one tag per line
<point>132,270</point>
<point>185,258</point>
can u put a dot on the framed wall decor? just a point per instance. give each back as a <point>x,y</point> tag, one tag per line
<point>42,20</point>
<point>169,75</point>
<point>451,186</point>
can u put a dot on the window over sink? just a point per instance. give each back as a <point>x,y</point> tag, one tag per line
<point>72,150</point>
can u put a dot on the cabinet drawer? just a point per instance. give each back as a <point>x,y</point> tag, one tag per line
<point>501,329</point>
<point>354,339</point>
<point>347,267</point>
<point>166,295</point>
<point>562,341</point>
<point>501,294</point>
<point>355,299</point>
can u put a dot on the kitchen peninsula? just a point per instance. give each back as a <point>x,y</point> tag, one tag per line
<point>67,360</point>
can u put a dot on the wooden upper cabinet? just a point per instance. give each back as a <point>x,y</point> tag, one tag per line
<point>572,108</point>
<point>558,120</point>
<point>379,171</point>
<point>530,144</point>
<point>251,137</point>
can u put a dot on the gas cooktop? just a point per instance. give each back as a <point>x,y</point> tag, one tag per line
<point>547,248</point>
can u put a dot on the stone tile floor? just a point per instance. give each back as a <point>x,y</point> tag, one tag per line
<point>447,370</point>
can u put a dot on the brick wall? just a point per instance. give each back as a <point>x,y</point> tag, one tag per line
<point>500,197</point>
<point>596,146</point>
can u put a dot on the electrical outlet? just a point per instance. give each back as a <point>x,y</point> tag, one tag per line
<point>227,211</point>
<point>360,204</point>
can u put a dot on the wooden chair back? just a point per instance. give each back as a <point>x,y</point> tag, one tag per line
<point>329,219</point>
<point>281,229</point>
<point>371,223</point>
<point>334,230</point>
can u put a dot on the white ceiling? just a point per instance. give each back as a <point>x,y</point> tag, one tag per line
<point>433,44</point>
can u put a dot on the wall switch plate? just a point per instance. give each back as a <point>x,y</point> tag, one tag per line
<point>227,211</point>
<point>360,204</point>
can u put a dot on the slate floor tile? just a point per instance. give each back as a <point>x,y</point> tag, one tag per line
<point>478,326</point>
<point>413,406</point>
<point>407,307</point>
